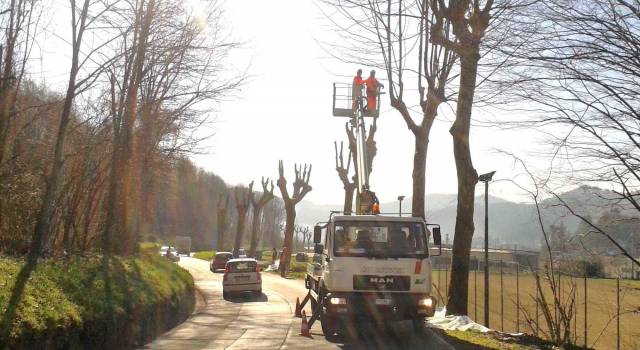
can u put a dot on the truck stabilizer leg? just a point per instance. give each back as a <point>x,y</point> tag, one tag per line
<point>317,309</point>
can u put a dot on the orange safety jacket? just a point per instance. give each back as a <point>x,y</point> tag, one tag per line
<point>372,85</point>
<point>372,92</point>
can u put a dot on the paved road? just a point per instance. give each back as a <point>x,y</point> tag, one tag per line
<point>267,322</point>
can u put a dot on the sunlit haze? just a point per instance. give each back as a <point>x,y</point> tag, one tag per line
<point>284,109</point>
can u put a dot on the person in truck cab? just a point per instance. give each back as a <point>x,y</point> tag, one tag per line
<point>343,241</point>
<point>363,240</point>
<point>398,243</point>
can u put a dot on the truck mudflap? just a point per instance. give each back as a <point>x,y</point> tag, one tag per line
<point>380,306</point>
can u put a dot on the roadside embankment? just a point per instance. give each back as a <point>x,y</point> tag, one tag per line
<point>92,302</point>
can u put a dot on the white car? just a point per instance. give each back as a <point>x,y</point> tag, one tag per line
<point>241,275</point>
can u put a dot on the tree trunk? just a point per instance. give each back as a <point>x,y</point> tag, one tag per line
<point>128,240</point>
<point>242,215</point>
<point>420,168</point>
<point>255,227</point>
<point>43,221</point>
<point>348,198</point>
<point>467,179</point>
<point>288,236</point>
<point>221,231</point>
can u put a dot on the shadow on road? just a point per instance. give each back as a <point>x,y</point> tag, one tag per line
<point>247,297</point>
<point>399,336</point>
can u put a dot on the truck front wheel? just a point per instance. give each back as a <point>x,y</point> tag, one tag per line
<point>329,326</point>
<point>418,324</point>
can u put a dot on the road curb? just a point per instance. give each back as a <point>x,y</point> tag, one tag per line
<point>201,301</point>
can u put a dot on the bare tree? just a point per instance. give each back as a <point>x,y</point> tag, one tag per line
<point>20,19</point>
<point>182,71</point>
<point>469,21</point>
<point>574,74</point>
<point>300,189</point>
<point>221,211</point>
<point>306,237</point>
<point>558,329</point>
<point>79,25</point>
<point>21,23</point>
<point>244,198</point>
<point>387,34</point>
<point>258,205</point>
<point>124,106</point>
<point>348,184</point>
<point>272,218</point>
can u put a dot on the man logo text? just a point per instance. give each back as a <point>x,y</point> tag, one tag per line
<point>380,280</point>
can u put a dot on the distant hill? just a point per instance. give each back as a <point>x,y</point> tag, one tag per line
<point>511,224</point>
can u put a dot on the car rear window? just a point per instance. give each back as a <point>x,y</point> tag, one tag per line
<point>222,257</point>
<point>242,266</point>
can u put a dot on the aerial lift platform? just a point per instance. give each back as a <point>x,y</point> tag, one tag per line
<point>391,286</point>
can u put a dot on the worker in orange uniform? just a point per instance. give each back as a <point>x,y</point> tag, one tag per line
<point>372,91</point>
<point>356,90</point>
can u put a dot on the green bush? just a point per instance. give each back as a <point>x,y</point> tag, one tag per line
<point>298,266</point>
<point>592,268</point>
<point>71,303</point>
<point>205,255</point>
<point>267,254</point>
<point>149,248</point>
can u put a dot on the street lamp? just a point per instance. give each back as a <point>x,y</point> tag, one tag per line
<point>400,198</point>
<point>486,178</point>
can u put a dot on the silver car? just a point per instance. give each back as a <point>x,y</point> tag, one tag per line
<point>241,275</point>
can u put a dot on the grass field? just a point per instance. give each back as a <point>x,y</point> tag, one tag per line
<point>205,255</point>
<point>601,306</point>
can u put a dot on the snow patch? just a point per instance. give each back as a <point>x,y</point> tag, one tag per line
<point>273,267</point>
<point>454,323</point>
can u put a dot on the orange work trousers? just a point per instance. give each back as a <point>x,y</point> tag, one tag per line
<point>371,101</point>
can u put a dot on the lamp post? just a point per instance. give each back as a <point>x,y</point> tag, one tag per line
<point>400,198</point>
<point>486,178</point>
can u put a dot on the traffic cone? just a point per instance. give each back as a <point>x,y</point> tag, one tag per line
<point>298,308</point>
<point>304,328</point>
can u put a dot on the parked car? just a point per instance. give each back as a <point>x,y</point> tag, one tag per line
<point>241,253</point>
<point>219,261</point>
<point>302,257</point>
<point>241,275</point>
<point>258,255</point>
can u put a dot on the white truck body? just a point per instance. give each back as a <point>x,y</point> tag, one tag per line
<point>382,282</point>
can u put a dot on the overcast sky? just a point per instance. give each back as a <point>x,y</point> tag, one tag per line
<point>284,111</point>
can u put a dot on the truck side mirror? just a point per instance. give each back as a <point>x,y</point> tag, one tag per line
<point>318,248</point>
<point>317,234</point>
<point>437,239</point>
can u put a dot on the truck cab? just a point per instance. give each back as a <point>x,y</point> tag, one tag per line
<point>373,267</point>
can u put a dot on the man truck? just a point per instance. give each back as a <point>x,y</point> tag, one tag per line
<point>369,267</point>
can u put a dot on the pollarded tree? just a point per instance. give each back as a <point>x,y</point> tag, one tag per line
<point>397,36</point>
<point>258,205</point>
<point>300,189</point>
<point>348,183</point>
<point>469,21</point>
<point>343,173</point>
<point>243,197</point>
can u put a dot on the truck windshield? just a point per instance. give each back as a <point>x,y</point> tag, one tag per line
<point>380,239</point>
